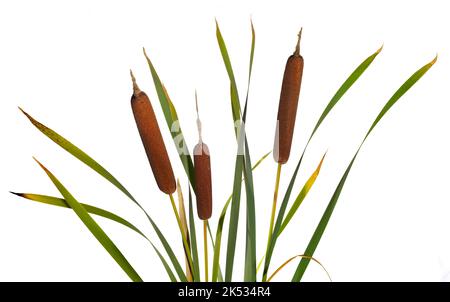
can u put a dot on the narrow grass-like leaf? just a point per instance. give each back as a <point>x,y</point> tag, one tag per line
<point>236,107</point>
<point>94,165</point>
<point>252,54</point>
<point>216,274</point>
<point>239,164</point>
<point>194,250</point>
<point>211,237</point>
<point>301,196</point>
<point>240,167</point>
<point>165,264</point>
<point>235,205</point>
<point>301,257</point>
<point>218,241</point>
<point>354,76</point>
<point>279,220</point>
<point>346,86</point>
<point>170,253</point>
<point>250,243</point>
<point>315,239</point>
<point>79,154</point>
<point>61,202</point>
<point>184,228</point>
<point>94,228</point>
<point>173,123</point>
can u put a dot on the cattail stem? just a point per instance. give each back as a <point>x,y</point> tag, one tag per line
<point>274,208</point>
<point>185,243</point>
<point>205,242</point>
<point>275,198</point>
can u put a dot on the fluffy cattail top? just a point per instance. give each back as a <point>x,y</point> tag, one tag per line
<point>152,140</point>
<point>287,108</point>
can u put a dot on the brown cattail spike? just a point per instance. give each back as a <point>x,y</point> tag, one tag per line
<point>152,139</point>
<point>202,170</point>
<point>287,108</point>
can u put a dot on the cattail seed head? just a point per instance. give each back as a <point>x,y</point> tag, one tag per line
<point>202,170</point>
<point>152,140</point>
<point>203,191</point>
<point>287,108</point>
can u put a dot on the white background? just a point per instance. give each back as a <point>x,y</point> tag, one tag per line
<point>67,64</point>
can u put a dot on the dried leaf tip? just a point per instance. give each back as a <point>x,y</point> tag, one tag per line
<point>323,158</point>
<point>297,47</point>
<point>381,48</point>
<point>17,194</point>
<point>136,89</point>
<point>146,56</point>
<point>434,60</point>
<point>24,112</point>
<point>41,165</point>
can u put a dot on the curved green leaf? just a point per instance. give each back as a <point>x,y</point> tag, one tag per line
<point>242,165</point>
<point>194,250</point>
<point>346,86</point>
<point>235,103</point>
<point>169,251</point>
<point>61,202</point>
<point>216,274</point>
<point>315,239</point>
<point>79,154</point>
<point>94,228</point>
<point>185,230</point>
<point>301,196</point>
<point>173,122</point>
<point>94,165</point>
<point>250,242</point>
<point>354,76</point>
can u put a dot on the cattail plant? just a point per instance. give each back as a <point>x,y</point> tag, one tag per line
<point>203,184</point>
<point>198,172</point>
<point>156,151</point>
<point>287,112</point>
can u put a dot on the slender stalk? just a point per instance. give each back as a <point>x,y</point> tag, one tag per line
<point>205,242</point>
<point>274,205</point>
<point>274,208</point>
<point>185,243</point>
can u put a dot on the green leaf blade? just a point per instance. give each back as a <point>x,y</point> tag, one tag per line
<point>94,228</point>
<point>301,196</point>
<point>250,243</point>
<point>79,154</point>
<point>354,76</point>
<point>235,103</point>
<point>61,202</point>
<point>320,229</point>
<point>94,165</point>
<point>348,83</point>
<point>172,122</point>
<point>194,249</point>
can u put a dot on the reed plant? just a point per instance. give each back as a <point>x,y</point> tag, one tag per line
<point>197,170</point>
